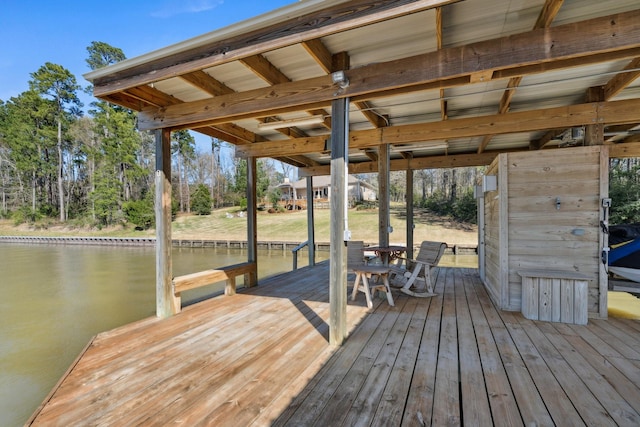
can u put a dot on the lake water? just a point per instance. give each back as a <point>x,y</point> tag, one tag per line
<point>55,298</point>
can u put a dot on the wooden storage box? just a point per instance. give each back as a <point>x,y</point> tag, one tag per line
<point>555,296</point>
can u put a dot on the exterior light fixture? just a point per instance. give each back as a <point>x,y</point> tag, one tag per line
<point>340,79</point>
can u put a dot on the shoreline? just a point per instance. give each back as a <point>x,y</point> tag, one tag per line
<point>458,249</point>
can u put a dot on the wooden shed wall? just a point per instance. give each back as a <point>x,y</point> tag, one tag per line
<point>534,233</point>
<point>492,238</point>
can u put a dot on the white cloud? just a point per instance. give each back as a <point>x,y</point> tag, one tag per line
<point>177,7</point>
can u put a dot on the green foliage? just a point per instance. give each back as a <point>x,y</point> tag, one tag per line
<point>57,83</point>
<point>438,203</point>
<point>106,199</point>
<point>243,204</point>
<point>240,179</point>
<point>624,190</point>
<point>25,214</point>
<point>201,200</point>
<point>274,196</point>
<point>140,213</point>
<point>463,209</point>
<point>102,54</point>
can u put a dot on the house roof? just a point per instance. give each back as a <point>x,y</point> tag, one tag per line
<point>324,181</point>
<point>444,83</point>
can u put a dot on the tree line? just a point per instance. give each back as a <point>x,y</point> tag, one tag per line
<point>93,166</point>
<point>62,162</point>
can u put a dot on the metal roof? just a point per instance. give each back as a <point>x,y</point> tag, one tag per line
<point>394,32</point>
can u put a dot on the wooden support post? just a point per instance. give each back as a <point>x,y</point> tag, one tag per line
<point>409,208</point>
<point>251,279</point>
<point>165,302</point>
<point>310,231</point>
<point>337,262</point>
<point>383,195</point>
<point>594,133</point>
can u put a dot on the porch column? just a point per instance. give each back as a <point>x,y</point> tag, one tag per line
<point>594,133</point>
<point>383,195</point>
<point>310,231</point>
<point>251,279</point>
<point>409,209</point>
<point>165,302</point>
<point>337,263</point>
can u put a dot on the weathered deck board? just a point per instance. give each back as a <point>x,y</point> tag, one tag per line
<point>262,357</point>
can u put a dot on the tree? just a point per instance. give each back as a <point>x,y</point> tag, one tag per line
<point>184,148</point>
<point>58,84</point>
<point>239,187</point>
<point>102,54</point>
<point>201,200</point>
<point>29,133</point>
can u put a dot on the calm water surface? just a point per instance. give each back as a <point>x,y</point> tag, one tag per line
<point>56,297</point>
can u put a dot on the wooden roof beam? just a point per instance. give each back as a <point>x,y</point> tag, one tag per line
<point>205,82</point>
<point>548,13</point>
<point>614,86</point>
<point>622,132</point>
<point>544,46</point>
<point>268,72</point>
<point>340,61</point>
<point>412,163</point>
<point>626,111</point>
<point>334,19</point>
<point>620,81</point>
<point>449,161</point>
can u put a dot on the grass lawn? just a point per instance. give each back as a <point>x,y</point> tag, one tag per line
<point>291,226</point>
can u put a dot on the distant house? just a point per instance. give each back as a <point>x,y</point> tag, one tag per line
<point>359,191</point>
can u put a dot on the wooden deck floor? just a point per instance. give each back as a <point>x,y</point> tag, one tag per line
<point>262,358</point>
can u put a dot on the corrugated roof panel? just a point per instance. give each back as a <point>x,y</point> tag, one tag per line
<point>236,76</point>
<point>180,89</point>
<point>473,97</point>
<point>580,10</point>
<point>295,63</point>
<point>385,41</point>
<point>409,108</point>
<point>472,21</point>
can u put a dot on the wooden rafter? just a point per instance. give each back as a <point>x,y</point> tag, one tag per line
<point>337,18</point>
<point>548,13</point>
<point>329,63</point>
<point>622,80</point>
<point>577,40</point>
<point>319,53</point>
<point>262,67</point>
<point>613,112</point>
<point>205,82</point>
<point>614,86</point>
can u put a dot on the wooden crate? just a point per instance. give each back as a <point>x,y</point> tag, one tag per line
<point>555,296</point>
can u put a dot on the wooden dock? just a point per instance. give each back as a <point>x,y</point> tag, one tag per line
<point>262,357</point>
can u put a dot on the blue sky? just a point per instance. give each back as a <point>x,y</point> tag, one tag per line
<point>34,32</point>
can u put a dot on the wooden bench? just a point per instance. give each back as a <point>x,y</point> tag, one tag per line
<point>207,277</point>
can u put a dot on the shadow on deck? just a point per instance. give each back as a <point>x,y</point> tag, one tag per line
<point>262,357</point>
